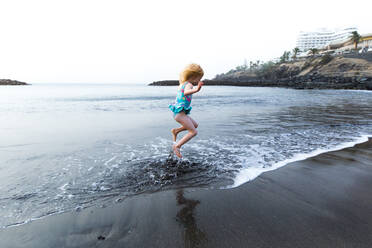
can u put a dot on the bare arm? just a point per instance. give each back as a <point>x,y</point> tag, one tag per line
<point>189,89</point>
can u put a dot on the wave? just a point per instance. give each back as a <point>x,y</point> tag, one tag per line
<point>248,174</point>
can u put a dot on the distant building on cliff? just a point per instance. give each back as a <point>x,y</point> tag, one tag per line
<point>348,45</point>
<point>322,37</point>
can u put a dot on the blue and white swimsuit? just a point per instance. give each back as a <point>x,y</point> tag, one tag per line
<point>182,102</point>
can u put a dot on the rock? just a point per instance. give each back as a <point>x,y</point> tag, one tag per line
<point>11,82</point>
<point>332,75</point>
<point>368,85</point>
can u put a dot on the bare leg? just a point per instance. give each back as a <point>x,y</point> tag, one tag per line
<point>194,122</point>
<point>175,131</point>
<point>186,122</point>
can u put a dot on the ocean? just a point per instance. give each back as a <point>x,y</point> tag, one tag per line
<point>65,147</point>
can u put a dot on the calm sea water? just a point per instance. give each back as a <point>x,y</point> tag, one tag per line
<point>68,146</point>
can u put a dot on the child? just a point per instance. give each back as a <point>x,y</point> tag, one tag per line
<point>181,108</point>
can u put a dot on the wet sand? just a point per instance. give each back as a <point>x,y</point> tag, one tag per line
<point>324,201</point>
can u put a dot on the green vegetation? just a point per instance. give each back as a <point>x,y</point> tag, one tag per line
<point>313,51</point>
<point>295,51</point>
<point>270,68</point>
<point>285,57</point>
<point>355,37</point>
<point>258,68</point>
<point>266,69</point>
<point>261,68</point>
<point>325,59</point>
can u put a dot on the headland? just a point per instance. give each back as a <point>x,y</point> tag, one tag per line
<point>11,82</point>
<point>352,71</point>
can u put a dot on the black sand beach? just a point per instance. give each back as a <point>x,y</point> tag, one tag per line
<point>324,201</point>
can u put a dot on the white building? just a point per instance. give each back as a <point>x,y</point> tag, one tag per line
<point>348,45</point>
<point>322,37</point>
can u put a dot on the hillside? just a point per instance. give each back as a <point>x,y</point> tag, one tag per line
<point>349,72</point>
<point>353,71</point>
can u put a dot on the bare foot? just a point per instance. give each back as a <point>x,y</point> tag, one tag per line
<point>176,151</point>
<point>174,134</point>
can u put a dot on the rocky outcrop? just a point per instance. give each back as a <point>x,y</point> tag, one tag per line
<point>343,72</point>
<point>306,82</point>
<point>165,83</point>
<point>325,72</point>
<point>11,82</point>
<point>206,82</point>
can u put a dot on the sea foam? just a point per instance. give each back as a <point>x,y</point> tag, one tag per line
<point>248,174</point>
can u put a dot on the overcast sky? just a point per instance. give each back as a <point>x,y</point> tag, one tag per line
<point>107,41</point>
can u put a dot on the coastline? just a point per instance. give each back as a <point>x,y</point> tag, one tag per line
<point>353,71</point>
<point>322,201</point>
<point>303,83</point>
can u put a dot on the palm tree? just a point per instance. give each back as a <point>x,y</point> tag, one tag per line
<point>295,51</point>
<point>285,57</point>
<point>355,37</point>
<point>313,51</point>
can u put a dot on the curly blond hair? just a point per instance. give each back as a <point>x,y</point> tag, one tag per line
<point>191,71</point>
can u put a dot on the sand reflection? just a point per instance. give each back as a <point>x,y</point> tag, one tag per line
<point>193,236</point>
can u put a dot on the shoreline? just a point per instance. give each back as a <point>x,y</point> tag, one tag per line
<point>322,201</point>
<point>351,71</point>
<point>297,158</point>
<point>282,83</point>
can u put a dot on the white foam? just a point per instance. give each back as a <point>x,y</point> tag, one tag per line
<point>249,174</point>
<point>31,219</point>
<point>63,187</point>
<point>108,161</point>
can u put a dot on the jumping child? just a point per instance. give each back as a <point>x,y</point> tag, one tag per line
<point>181,108</point>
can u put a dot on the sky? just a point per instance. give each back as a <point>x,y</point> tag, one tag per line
<point>139,41</point>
